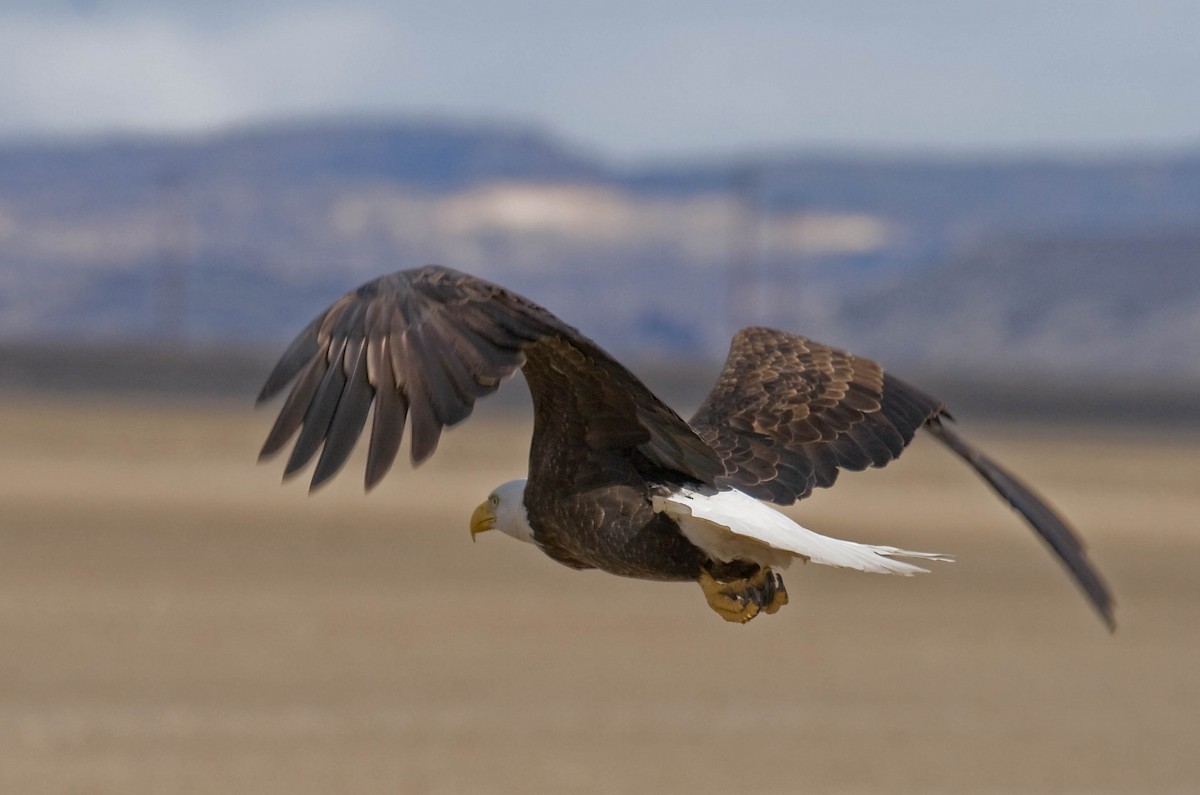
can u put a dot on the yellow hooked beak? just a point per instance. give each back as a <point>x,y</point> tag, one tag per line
<point>482,519</point>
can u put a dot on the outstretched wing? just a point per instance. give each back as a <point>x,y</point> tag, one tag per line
<point>427,343</point>
<point>787,414</point>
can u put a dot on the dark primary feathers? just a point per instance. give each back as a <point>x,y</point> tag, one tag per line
<point>785,416</point>
<point>426,344</point>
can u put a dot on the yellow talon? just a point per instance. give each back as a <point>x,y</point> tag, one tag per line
<point>726,600</point>
<point>740,600</point>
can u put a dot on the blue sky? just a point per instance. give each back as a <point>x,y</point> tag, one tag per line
<point>630,79</point>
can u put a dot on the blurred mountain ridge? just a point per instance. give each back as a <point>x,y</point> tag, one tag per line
<point>1030,266</point>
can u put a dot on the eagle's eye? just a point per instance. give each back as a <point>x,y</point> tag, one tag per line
<point>494,500</point>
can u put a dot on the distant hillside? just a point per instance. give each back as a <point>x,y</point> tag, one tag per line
<point>1124,307</point>
<point>426,155</point>
<point>240,237</point>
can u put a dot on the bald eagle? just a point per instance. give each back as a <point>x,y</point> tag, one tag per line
<point>618,481</point>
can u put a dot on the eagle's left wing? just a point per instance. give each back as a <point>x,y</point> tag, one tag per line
<point>425,344</point>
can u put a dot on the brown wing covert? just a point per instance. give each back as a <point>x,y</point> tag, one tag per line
<point>788,413</point>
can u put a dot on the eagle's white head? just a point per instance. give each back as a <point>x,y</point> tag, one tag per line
<point>504,510</point>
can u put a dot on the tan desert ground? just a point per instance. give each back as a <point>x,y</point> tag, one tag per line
<point>172,620</point>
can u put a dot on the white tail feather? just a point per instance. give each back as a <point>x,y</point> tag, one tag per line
<point>731,525</point>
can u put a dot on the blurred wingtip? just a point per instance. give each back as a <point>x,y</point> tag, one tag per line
<point>267,452</point>
<point>1107,610</point>
<point>321,476</point>
<point>264,394</point>
<point>1053,530</point>
<point>371,478</point>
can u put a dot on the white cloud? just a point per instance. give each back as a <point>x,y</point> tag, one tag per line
<point>72,75</point>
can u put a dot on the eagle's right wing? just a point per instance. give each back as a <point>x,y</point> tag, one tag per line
<point>788,413</point>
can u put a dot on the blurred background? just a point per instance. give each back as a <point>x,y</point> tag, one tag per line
<point>1001,202</point>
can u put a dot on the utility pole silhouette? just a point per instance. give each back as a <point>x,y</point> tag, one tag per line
<point>171,283</point>
<point>745,260</point>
